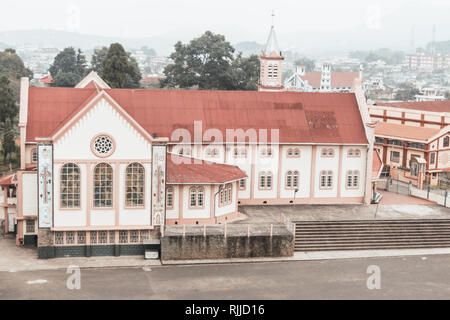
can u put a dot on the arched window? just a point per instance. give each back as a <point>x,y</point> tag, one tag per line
<point>326,179</point>
<point>292,179</point>
<point>34,155</point>
<point>240,152</point>
<point>242,184</point>
<point>169,198</point>
<point>70,186</point>
<point>266,152</point>
<point>353,153</point>
<point>103,186</point>
<point>352,179</point>
<point>197,199</point>
<point>446,141</point>
<point>265,180</point>
<point>212,152</point>
<point>134,185</point>
<point>226,195</point>
<point>293,153</point>
<point>327,152</point>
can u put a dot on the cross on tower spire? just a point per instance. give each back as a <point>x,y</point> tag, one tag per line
<point>273,17</point>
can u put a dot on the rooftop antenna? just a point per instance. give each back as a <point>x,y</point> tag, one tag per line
<point>433,45</point>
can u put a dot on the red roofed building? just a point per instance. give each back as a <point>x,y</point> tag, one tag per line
<point>113,166</point>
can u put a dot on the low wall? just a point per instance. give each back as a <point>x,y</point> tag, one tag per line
<point>236,244</point>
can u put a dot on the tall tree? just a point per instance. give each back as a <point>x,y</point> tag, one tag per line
<point>120,70</point>
<point>204,62</point>
<point>97,59</point>
<point>12,66</point>
<point>68,68</point>
<point>245,72</point>
<point>8,115</point>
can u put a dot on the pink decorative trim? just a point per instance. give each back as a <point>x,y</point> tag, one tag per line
<point>353,153</point>
<point>307,200</point>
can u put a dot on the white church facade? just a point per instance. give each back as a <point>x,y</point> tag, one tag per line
<point>107,168</point>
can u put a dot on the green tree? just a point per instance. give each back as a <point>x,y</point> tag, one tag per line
<point>204,62</point>
<point>8,115</point>
<point>97,59</point>
<point>406,92</point>
<point>245,72</point>
<point>120,70</point>
<point>12,67</point>
<point>66,79</point>
<point>308,63</point>
<point>66,64</point>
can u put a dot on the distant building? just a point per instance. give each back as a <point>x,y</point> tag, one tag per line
<point>324,81</point>
<point>429,94</point>
<point>427,62</point>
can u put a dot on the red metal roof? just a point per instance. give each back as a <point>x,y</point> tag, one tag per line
<point>433,106</point>
<point>47,79</point>
<point>300,117</point>
<point>338,79</point>
<point>7,180</point>
<point>404,132</point>
<point>182,170</point>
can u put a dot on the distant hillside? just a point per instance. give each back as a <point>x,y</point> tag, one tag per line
<point>61,39</point>
<point>249,47</point>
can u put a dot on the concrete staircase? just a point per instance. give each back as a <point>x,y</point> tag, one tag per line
<point>371,234</point>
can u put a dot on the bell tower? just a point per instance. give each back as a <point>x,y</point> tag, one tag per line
<point>271,60</point>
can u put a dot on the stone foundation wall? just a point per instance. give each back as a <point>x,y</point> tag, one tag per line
<point>47,250</point>
<point>177,247</point>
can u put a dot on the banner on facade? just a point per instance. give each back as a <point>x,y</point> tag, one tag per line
<point>158,184</point>
<point>45,186</point>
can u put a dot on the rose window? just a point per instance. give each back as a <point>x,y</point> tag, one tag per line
<point>103,146</point>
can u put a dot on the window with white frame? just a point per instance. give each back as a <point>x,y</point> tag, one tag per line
<point>196,197</point>
<point>34,155</point>
<point>395,156</point>
<point>266,152</point>
<point>212,152</point>
<point>185,151</point>
<point>265,180</point>
<point>446,142</point>
<point>239,152</point>
<point>293,153</point>
<point>70,186</point>
<point>327,152</point>
<point>103,186</point>
<point>242,184</point>
<point>169,198</point>
<point>134,183</point>
<point>226,195</point>
<point>30,226</point>
<point>354,153</point>
<point>352,179</point>
<point>292,179</point>
<point>326,179</point>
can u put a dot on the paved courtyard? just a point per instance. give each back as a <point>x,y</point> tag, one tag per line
<point>392,206</point>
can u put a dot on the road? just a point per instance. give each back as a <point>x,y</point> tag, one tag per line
<point>401,278</point>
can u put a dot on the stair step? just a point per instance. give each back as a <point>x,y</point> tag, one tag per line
<point>384,247</point>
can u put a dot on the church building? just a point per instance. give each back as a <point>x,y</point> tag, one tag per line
<point>109,168</point>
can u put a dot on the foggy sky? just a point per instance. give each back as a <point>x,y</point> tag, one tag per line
<point>239,20</point>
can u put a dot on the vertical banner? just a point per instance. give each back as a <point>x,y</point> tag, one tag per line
<point>159,154</point>
<point>45,186</point>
